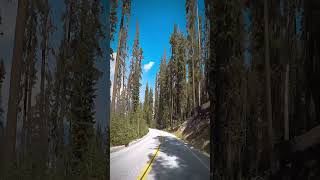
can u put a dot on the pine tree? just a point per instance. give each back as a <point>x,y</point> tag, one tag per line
<point>61,88</point>
<point>199,53</point>
<point>268,84</point>
<point>113,19</point>
<point>171,83</point>
<point>1,33</point>
<point>122,106</point>
<point>225,77</point>
<point>136,77</point>
<point>156,99</point>
<point>2,76</point>
<point>129,84</point>
<point>170,80</point>
<point>151,107</point>
<point>178,56</point>
<point>29,73</point>
<point>15,77</point>
<point>192,48</point>
<point>146,105</point>
<point>121,53</point>
<point>206,55</point>
<point>85,76</point>
<point>163,109</point>
<point>44,132</point>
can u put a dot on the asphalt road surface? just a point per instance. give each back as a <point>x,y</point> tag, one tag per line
<point>159,155</point>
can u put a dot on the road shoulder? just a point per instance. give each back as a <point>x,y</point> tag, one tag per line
<point>191,146</point>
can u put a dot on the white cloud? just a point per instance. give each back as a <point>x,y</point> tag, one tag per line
<point>148,66</point>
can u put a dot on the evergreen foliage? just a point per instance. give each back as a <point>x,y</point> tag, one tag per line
<point>2,76</point>
<point>252,97</point>
<point>130,120</point>
<point>56,137</point>
<point>125,129</point>
<point>137,71</point>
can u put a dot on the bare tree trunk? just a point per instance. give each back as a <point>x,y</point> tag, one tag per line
<point>138,119</point>
<point>171,109</point>
<point>199,92</point>
<point>116,69</point>
<point>286,83</point>
<point>268,84</point>
<point>286,104</point>
<point>25,99</point>
<point>29,95</point>
<point>193,86</point>
<point>43,118</point>
<point>15,77</point>
<point>199,41</point>
<point>42,78</point>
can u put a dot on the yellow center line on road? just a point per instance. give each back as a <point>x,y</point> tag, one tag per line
<point>147,168</point>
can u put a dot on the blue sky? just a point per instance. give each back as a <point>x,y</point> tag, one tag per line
<point>156,19</point>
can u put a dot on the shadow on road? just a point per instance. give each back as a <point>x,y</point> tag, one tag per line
<point>175,161</point>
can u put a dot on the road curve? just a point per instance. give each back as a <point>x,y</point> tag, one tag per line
<point>175,159</point>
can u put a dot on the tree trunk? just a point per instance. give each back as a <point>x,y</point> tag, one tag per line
<point>15,77</point>
<point>171,110</point>
<point>199,41</point>
<point>268,84</point>
<point>24,121</point>
<point>25,100</point>
<point>43,118</point>
<point>29,95</point>
<point>286,104</point>
<point>193,86</point>
<point>42,77</point>
<point>138,126</point>
<point>116,69</point>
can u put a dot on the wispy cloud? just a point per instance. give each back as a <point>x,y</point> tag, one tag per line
<point>148,66</point>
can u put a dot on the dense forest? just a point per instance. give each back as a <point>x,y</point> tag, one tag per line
<point>262,74</point>
<point>127,113</point>
<point>49,129</point>
<point>179,84</point>
<point>253,63</point>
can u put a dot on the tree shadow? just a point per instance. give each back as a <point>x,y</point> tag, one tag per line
<point>177,160</point>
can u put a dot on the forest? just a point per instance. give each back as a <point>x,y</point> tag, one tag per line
<point>49,128</point>
<point>180,81</point>
<point>248,68</point>
<point>262,74</point>
<point>127,120</point>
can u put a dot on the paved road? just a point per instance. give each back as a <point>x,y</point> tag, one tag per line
<point>174,160</point>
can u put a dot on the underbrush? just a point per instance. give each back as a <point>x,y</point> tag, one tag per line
<point>31,166</point>
<point>125,128</point>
